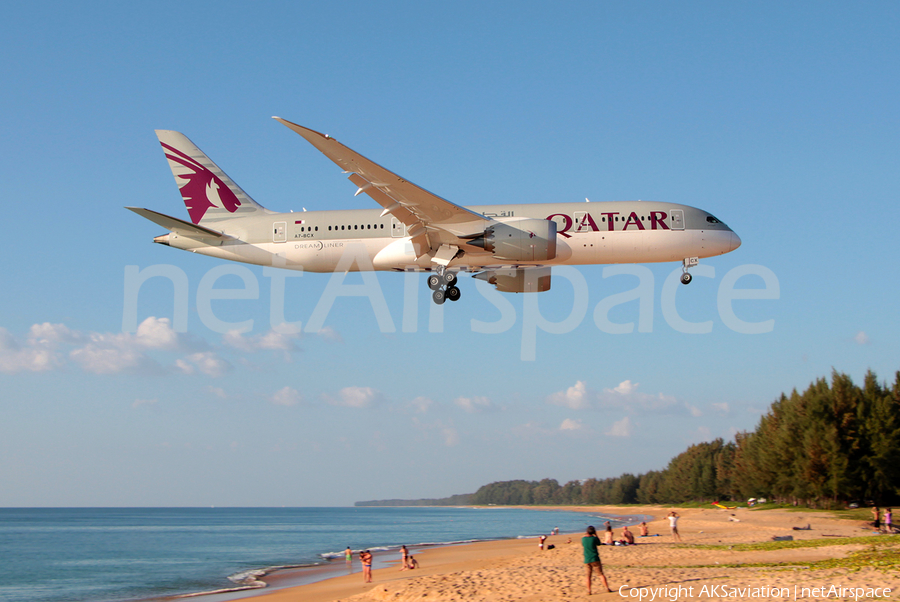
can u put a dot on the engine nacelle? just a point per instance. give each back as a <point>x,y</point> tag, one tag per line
<point>519,240</point>
<point>521,280</point>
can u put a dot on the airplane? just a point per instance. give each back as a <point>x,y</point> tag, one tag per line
<point>511,246</point>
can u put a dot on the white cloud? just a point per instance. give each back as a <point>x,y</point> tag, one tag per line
<point>330,334</point>
<point>473,404</point>
<point>155,333</point>
<point>107,353</point>
<point>574,398</point>
<point>355,397</point>
<point>286,396</point>
<point>571,425</point>
<point>282,337</point>
<point>52,334</point>
<point>622,428</point>
<point>32,357</point>
<point>693,410</point>
<point>721,407</point>
<point>421,404</point>
<point>861,338</point>
<point>625,395</point>
<point>206,362</point>
<point>626,387</point>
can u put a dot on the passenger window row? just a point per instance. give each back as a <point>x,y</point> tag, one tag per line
<point>361,227</point>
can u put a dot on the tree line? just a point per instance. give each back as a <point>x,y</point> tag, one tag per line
<point>834,443</point>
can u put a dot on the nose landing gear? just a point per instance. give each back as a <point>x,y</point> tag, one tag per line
<point>688,262</point>
<point>443,283</point>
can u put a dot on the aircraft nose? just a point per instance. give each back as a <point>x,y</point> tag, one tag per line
<point>735,241</point>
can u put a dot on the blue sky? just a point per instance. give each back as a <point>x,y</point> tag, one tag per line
<point>779,119</point>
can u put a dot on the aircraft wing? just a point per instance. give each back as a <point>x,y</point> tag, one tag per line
<point>431,220</point>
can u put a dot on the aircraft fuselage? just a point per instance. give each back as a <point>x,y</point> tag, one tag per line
<point>587,233</point>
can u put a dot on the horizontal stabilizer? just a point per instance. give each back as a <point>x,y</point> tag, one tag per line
<point>178,226</point>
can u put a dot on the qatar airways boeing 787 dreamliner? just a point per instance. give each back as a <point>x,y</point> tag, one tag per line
<point>512,247</point>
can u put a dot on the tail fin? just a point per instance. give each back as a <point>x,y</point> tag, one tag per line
<point>208,193</point>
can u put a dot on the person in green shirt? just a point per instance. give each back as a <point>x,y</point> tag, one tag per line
<point>592,557</point>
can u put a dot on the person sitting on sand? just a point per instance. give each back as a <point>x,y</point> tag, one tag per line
<point>608,535</point>
<point>412,563</point>
<point>645,531</point>
<point>627,536</point>
<point>589,542</point>
<point>366,558</point>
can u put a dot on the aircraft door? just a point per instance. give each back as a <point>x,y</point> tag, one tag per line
<point>397,229</point>
<point>279,232</point>
<point>677,216</point>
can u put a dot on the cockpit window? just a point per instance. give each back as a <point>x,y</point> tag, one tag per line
<point>712,220</point>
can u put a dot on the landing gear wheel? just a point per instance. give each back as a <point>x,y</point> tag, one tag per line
<point>439,297</point>
<point>449,279</point>
<point>686,278</point>
<point>434,282</point>
<point>453,293</point>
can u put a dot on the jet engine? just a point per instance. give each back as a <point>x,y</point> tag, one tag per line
<point>519,240</point>
<point>518,280</point>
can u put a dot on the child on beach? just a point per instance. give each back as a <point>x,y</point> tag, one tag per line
<point>589,542</point>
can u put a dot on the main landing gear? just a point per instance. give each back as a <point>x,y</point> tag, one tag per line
<point>688,262</point>
<point>443,283</point>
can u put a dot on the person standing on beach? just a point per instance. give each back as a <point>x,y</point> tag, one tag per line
<point>541,541</point>
<point>404,558</point>
<point>888,520</point>
<point>366,558</point>
<point>348,556</point>
<point>876,515</point>
<point>673,525</point>
<point>590,542</point>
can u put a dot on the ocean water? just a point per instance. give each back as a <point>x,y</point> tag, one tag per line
<point>118,554</point>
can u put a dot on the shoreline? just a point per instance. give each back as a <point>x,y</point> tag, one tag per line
<point>513,569</point>
<point>268,580</point>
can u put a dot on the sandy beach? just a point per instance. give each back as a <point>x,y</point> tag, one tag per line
<point>657,568</point>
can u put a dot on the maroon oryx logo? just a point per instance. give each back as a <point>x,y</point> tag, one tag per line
<point>203,188</point>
